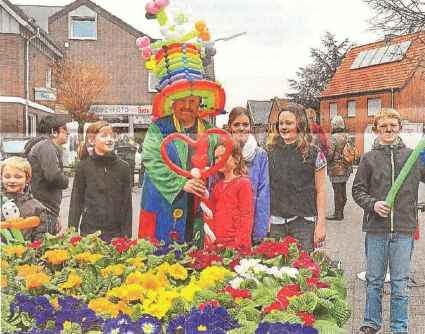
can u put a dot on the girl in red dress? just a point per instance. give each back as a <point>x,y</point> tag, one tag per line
<point>231,202</point>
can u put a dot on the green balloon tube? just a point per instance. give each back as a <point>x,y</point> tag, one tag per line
<point>405,171</point>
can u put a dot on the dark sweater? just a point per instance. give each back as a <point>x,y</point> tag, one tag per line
<point>101,197</point>
<point>292,181</point>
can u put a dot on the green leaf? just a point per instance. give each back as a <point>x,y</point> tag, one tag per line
<point>306,302</point>
<point>283,316</point>
<point>328,327</point>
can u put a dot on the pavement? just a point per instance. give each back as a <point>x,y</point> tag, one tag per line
<point>345,242</point>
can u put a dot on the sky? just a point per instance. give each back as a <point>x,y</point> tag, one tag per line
<point>279,35</point>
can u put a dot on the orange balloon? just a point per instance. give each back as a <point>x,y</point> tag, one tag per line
<point>200,26</point>
<point>205,36</point>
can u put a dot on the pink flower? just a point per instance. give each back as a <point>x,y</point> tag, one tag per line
<point>75,240</point>
<point>35,245</point>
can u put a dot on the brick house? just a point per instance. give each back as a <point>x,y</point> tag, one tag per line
<point>388,73</point>
<point>27,55</point>
<point>259,111</point>
<point>88,33</point>
<point>277,104</point>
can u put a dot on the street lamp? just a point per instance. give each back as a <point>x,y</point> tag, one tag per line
<point>225,39</point>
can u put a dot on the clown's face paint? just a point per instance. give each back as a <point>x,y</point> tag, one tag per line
<point>187,110</point>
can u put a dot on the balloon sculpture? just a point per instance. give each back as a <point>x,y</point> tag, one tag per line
<point>419,151</point>
<point>199,161</point>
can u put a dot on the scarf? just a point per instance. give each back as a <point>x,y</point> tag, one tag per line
<point>249,149</point>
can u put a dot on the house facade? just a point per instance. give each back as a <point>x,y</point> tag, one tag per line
<point>277,104</point>
<point>81,32</point>
<point>259,111</point>
<point>385,74</point>
<point>27,55</point>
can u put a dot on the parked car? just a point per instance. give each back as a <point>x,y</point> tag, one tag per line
<point>12,146</point>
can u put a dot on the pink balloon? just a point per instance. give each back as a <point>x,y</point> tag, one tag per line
<point>162,3</point>
<point>152,8</point>
<point>146,53</point>
<point>143,42</point>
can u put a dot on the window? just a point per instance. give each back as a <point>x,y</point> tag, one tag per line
<point>373,106</point>
<point>49,78</point>
<point>83,27</point>
<point>152,83</point>
<point>32,120</point>
<point>351,109</point>
<point>333,110</point>
<point>385,54</point>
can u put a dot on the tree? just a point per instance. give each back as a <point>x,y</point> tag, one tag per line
<point>311,80</point>
<point>397,16</point>
<point>78,85</point>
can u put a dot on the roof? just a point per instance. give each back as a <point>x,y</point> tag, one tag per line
<point>281,103</point>
<point>259,111</point>
<point>33,27</point>
<point>40,13</point>
<point>380,77</point>
<point>78,3</point>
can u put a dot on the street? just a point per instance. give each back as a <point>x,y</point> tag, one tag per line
<point>345,242</point>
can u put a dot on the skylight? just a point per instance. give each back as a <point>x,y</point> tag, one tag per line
<point>386,54</point>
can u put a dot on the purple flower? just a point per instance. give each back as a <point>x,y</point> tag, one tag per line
<point>211,320</point>
<point>38,308</point>
<point>284,328</point>
<point>175,324</point>
<point>121,324</point>
<point>149,324</point>
<point>164,250</point>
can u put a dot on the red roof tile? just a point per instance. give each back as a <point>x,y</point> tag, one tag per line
<point>348,81</point>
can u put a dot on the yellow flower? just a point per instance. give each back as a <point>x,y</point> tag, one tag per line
<point>136,262</point>
<point>127,292</point>
<point>73,281</point>
<point>3,264</point>
<point>14,250</point>
<point>115,270</point>
<point>37,280</point>
<point>188,292</point>
<point>157,309</point>
<point>147,280</point>
<point>124,308</point>
<point>88,257</point>
<point>54,302</point>
<point>163,268</point>
<point>211,275</point>
<point>134,278</point>
<point>28,269</point>
<point>3,281</point>
<point>103,306</point>
<point>177,271</point>
<point>56,256</point>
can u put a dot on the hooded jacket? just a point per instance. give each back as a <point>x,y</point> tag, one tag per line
<point>48,179</point>
<point>377,171</point>
<point>101,197</point>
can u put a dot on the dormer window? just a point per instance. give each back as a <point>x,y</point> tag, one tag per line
<point>83,27</point>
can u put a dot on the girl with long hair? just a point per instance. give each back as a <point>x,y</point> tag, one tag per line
<point>255,158</point>
<point>297,180</point>
<point>231,202</point>
<point>101,194</point>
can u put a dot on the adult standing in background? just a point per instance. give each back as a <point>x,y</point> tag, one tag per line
<point>45,156</point>
<point>338,171</point>
<point>240,126</point>
<point>319,137</point>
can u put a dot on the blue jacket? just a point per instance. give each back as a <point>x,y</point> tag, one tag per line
<point>258,170</point>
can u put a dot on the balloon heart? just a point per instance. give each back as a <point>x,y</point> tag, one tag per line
<point>200,156</point>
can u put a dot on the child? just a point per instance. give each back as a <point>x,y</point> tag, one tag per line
<point>101,194</point>
<point>16,178</point>
<point>389,232</point>
<point>297,181</point>
<point>231,202</point>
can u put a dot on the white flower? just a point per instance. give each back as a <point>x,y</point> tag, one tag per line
<point>236,282</point>
<point>291,272</point>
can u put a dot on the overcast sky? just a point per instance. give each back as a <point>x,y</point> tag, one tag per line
<point>279,36</point>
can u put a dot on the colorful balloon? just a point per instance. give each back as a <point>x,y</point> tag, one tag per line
<point>146,53</point>
<point>143,42</point>
<point>162,3</point>
<point>152,8</point>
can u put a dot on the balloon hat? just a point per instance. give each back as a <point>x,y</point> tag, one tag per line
<point>176,60</point>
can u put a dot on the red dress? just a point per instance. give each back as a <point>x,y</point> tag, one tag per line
<point>233,208</point>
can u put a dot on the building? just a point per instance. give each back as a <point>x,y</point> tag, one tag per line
<point>388,73</point>
<point>27,55</point>
<point>259,111</point>
<point>277,104</point>
<point>81,32</point>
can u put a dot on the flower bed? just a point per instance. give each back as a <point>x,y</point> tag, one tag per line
<point>82,285</point>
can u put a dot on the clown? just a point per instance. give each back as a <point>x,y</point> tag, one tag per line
<point>168,206</point>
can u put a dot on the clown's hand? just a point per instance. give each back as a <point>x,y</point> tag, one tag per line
<point>195,186</point>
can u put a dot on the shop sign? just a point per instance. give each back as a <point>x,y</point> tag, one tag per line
<point>45,94</point>
<point>121,109</point>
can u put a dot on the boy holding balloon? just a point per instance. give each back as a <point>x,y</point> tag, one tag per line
<point>389,227</point>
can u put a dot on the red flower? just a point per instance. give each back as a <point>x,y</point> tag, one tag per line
<point>307,318</point>
<point>214,303</point>
<point>174,235</point>
<point>314,281</point>
<point>237,293</point>
<point>121,245</point>
<point>234,263</point>
<point>276,306</point>
<point>202,259</point>
<point>272,248</point>
<point>305,261</point>
<point>288,291</point>
<point>35,245</point>
<point>75,240</point>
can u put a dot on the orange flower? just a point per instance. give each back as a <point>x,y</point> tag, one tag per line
<point>3,281</point>
<point>56,256</point>
<point>36,280</point>
<point>28,269</point>
<point>73,281</point>
<point>15,250</point>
